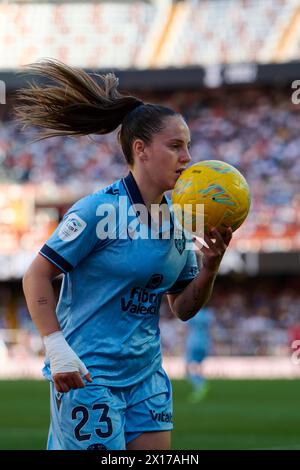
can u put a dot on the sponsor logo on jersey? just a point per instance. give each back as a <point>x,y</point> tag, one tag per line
<point>71,228</point>
<point>154,281</point>
<point>141,301</point>
<point>163,417</point>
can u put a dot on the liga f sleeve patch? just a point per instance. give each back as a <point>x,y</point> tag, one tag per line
<point>71,227</point>
<point>75,237</point>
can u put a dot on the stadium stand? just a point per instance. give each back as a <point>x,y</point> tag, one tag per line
<point>226,31</point>
<point>157,33</point>
<point>250,317</point>
<point>82,34</point>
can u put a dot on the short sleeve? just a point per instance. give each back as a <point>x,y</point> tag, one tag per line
<point>76,236</point>
<point>188,273</point>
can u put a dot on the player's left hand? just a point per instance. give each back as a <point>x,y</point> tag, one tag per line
<point>217,244</point>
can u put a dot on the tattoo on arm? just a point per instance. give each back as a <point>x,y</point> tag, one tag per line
<point>42,300</point>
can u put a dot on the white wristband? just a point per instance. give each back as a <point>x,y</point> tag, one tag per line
<point>61,356</point>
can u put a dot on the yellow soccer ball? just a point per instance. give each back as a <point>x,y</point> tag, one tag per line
<point>221,189</point>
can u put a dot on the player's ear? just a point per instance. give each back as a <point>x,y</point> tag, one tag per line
<point>138,149</point>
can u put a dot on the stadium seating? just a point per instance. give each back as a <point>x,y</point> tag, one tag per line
<point>149,34</point>
<point>82,34</point>
<point>226,31</point>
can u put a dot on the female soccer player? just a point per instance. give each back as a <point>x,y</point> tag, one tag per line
<point>103,359</point>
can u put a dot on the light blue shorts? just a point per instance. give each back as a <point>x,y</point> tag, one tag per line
<point>98,417</point>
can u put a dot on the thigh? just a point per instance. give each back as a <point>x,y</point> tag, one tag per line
<point>151,441</point>
<point>90,418</point>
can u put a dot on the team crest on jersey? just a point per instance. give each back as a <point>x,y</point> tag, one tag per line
<point>180,243</point>
<point>154,281</point>
<point>71,228</point>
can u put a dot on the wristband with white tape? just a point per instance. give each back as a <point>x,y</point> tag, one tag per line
<point>61,356</point>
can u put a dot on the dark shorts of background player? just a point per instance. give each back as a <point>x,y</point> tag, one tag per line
<point>98,417</point>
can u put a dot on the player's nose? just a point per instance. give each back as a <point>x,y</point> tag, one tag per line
<point>185,157</point>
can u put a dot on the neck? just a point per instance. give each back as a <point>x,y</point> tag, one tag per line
<point>150,193</point>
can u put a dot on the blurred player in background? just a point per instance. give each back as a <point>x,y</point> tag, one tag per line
<point>198,346</point>
<point>103,358</point>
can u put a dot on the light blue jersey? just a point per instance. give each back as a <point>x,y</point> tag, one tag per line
<point>112,288</point>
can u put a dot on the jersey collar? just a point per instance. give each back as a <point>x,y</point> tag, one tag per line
<point>135,196</point>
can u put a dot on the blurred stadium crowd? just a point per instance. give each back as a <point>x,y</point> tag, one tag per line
<point>147,34</point>
<point>258,317</point>
<point>250,317</point>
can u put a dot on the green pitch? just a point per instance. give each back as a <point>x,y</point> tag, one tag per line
<point>236,414</point>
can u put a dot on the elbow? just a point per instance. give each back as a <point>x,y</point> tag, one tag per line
<point>180,312</point>
<point>184,315</point>
<point>182,318</point>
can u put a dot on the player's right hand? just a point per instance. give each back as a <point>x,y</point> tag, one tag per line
<point>66,367</point>
<point>65,381</point>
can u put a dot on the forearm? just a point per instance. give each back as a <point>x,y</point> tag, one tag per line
<point>65,365</point>
<point>195,295</point>
<point>41,303</point>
